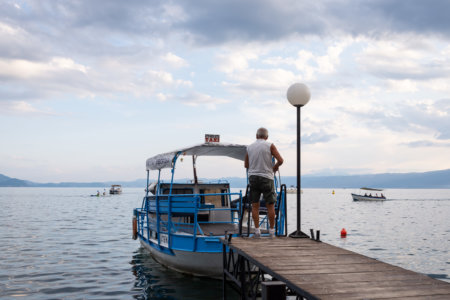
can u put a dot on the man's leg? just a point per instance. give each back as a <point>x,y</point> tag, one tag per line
<point>271,213</point>
<point>255,214</point>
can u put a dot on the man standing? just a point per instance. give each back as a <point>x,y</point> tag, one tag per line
<point>258,161</point>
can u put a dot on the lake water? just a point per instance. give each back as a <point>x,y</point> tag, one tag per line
<point>60,243</point>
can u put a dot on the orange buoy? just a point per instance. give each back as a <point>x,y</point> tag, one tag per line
<point>134,228</point>
<point>343,233</point>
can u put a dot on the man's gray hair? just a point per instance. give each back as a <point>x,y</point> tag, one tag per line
<point>262,133</point>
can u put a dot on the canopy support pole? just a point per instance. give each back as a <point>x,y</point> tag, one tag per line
<point>194,164</point>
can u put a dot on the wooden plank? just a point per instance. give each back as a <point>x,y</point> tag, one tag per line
<point>428,297</point>
<point>333,269</point>
<point>388,293</point>
<point>333,259</point>
<point>335,287</point>
<point>370,288</point>
<point>393,275</point>
<point>310,253</point>
<point>245,242</point>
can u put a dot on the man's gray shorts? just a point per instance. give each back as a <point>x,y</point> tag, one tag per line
<point>261,185</point>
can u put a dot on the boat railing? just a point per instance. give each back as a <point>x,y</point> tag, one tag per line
<point>280,213</point>
<point>180,215</point>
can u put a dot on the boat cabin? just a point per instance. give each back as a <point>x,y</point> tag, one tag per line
<point>213,200</point>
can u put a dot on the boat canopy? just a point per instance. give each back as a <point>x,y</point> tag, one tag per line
<point>165,160</point>
<point>370,189</point>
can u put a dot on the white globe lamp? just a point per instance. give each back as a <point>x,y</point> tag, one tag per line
<point>298,94</point>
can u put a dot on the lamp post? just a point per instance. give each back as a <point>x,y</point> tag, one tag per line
<point>298,95</point>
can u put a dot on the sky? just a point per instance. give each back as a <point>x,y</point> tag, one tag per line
<point>90,89</point>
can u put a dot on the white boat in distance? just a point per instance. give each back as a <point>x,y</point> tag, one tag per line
<point>369,197</point>
<point>115,189</point>
<point>293,190</point>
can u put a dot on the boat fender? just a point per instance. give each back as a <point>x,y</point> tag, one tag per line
<point>343,233</point>
<point>134,228</point>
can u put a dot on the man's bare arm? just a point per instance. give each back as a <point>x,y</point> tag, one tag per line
<point>277,156</point>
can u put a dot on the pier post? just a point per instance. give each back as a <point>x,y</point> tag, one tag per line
<point>225,267</point>
<point>273,290</point>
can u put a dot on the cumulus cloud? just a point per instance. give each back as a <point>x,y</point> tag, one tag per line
<point>175,60</point>
<point>22,108</point>
<point>260,80</point>
<point>403,58</point>
<point>429,117</point>
<point>23,69</point>
<point>216,22</point>
<point>426,143</point>
<point>318,137</point>
<point>235,60</point>
<point>312,65</point>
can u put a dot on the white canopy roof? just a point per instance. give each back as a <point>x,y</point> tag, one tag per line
<point>164,160</point>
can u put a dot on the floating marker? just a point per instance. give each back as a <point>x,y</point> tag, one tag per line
<point>343,233</point>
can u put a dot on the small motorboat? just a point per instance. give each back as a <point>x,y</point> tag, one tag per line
<point>368,195</point>
<point>291,190</point>
<point>115,189</point>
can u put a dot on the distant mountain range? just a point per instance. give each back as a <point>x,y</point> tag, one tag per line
<point>6,181</point>
<point>434,179</point>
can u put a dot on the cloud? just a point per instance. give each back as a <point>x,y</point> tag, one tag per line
<point>23,69</point>
<point>414,16</point>
<point>258,81</point>
<point>236,60</point>
<point>218,22</point>
<point>161,79</point>
<point>312,65</point>
<point>17,43</point>
<point>426,143</point>
<point>318,137</point>
<point>22,108</point>
<point>175,60</point>
<point>426,117</point>
<point>404,58</point>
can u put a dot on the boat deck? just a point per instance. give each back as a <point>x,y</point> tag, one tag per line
<point>317,270</point>
<point>218,229</point>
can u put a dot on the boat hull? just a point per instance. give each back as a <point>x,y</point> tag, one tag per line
<point>208,264</point>
<point>367,198</point>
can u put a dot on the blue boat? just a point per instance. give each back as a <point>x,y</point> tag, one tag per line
<point>181,223</point>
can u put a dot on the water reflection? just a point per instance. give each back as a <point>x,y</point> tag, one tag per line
<point>153,281</point>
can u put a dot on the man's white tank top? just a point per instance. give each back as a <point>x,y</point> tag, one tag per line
<point>260,159</point>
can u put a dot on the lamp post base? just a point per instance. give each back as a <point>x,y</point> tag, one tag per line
<point>299,235</point>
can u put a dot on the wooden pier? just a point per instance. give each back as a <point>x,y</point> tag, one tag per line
<point>317,270</point>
